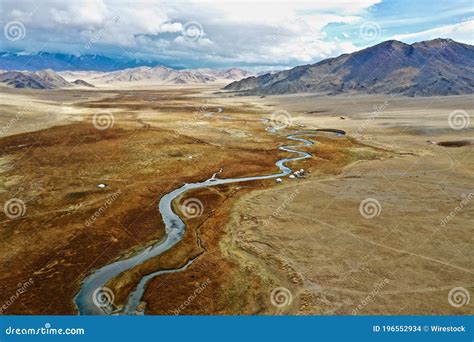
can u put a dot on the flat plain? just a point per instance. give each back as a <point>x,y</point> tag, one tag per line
<point>89,167</point>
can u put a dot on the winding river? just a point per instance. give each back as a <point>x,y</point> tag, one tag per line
<point>175,228</point>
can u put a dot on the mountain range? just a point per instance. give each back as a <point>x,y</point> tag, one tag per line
<point>435,67</point>
<point>163,75</point>
<point>60,62</point>
<point>49,79</point>
<point>43,79</point>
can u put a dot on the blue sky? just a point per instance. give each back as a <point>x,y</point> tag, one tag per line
<point>256,34</point>
<point>398,18</point>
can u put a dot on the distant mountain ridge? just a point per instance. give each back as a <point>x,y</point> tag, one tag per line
<point>44,79</point>
<point>435,67</point>
<point>61,62</point>
<point>163,75</point>
<point>156,75</point>
<point>49,79</point>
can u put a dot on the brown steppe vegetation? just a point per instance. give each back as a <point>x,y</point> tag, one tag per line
<point>318,246</point>
<point>55,172</point>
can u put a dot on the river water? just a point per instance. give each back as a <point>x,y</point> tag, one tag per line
<point>175,228</point>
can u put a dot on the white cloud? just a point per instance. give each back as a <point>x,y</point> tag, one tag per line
<point>261,32</point>
<point>171,27</point>
<point>88,12</point>
<point>461,32</point>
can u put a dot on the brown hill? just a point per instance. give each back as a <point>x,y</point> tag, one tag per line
<point>436,67</point>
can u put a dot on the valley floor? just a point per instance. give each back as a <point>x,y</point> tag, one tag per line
<point>381,223</point>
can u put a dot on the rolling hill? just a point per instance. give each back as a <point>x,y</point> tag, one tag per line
<point>49,79</point>
<point>44,79</point>
<point>163,75</point>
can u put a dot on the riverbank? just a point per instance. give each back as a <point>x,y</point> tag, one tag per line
<point>93,191</point>
<point>146,148</point>
<point>387,236</point>
<point>232,289</point>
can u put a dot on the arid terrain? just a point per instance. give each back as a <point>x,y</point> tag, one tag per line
<point>381,222</point>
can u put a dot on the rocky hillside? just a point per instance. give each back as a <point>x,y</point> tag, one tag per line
<point>436,67</point>
<point>163,75</point>
<point>44,79</point>
<point>49,79</point>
